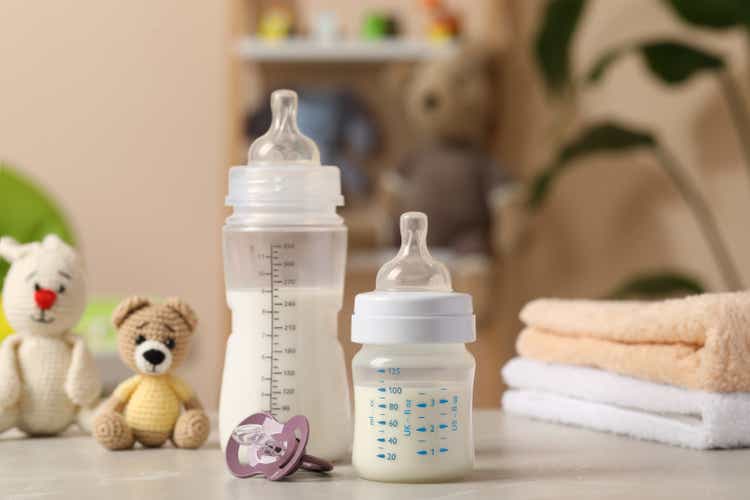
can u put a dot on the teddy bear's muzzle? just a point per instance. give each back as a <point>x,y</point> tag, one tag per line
<point>154,356</point>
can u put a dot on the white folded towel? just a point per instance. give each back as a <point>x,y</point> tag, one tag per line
<point>606,401</point>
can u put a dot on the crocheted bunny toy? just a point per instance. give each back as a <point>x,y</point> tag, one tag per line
<point>153,339</point>
<point>48,378</point>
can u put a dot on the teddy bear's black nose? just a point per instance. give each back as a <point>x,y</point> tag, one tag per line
<point>154,356</point>
<point>431,101</point>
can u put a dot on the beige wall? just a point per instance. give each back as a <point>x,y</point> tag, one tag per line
<point>120,110</point>
<point>613,216</point>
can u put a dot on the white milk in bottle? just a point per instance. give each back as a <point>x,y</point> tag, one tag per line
<point>284,258</point>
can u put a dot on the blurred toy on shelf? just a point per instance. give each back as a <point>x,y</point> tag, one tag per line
<point>448,102</point>
<point>343,127</point>
<point>444,24</point>
<point>153,340</point>
<point>377,25</point>
<point>276,22</point>
<point>326,27</point>
<point>48,378</point>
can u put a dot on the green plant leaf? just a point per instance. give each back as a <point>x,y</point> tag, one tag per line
<point>552,45</point>
<point>672,62</point>
<point>716,14</point>
<point>658,285</point>
<point>598,138</point>
<point>27,213</point>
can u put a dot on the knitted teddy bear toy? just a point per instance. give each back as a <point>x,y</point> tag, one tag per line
<point>450,175</point>
<point>48,379</point>
<point>153,339</point>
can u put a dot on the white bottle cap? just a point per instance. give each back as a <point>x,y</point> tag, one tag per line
<point>413,301</point>
<point>283,169</point>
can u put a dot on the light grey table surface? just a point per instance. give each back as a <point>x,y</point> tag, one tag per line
<point>516,458</point>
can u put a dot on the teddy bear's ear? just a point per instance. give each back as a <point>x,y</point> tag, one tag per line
<point>396,79</point>
<point>128,307</point>
<point>184,310</point>
<point>479,58</point>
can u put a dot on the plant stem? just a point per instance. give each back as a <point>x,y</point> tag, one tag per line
<point>703,216</point>
<point>739,114</point>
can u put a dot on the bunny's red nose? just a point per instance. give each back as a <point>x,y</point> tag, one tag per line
<point>45,298</point>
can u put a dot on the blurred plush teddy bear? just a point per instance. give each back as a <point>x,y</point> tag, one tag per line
<point>451,102</point>
<point>153,339</point>
<point>48,379</point>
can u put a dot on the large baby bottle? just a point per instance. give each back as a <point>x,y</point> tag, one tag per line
<point>413,377</point>
<point>284,258</point>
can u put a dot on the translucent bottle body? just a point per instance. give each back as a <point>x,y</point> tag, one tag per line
<point>284,287</point>
<point>413,412</point>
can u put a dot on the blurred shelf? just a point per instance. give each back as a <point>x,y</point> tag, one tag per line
<point>351,51</point>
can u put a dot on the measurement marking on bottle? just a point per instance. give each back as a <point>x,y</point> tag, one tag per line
<point>279,350</point>
<point>273,317</point>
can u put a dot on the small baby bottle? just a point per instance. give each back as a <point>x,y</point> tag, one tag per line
<point>284,258</point>
<point>413,377</point>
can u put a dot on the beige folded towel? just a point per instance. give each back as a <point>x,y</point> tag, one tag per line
<point>699,342</point>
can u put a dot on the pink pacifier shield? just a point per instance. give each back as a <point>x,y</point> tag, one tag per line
<point>274,450</point>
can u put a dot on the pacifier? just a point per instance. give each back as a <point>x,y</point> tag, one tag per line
<point>274,449</point>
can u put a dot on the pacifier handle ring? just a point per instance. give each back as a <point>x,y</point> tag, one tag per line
<point>296,423</point>
<point>315,464</point>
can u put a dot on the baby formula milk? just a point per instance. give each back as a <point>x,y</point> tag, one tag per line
<point>283,347</point>
<point>413,377</point>
<point>413,427</point>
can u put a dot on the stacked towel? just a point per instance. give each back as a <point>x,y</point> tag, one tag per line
<point>676,371</point>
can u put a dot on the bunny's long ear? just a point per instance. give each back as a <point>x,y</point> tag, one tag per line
<point>54,243</point>
<point>11,250</point>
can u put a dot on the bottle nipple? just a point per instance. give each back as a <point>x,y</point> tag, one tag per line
<point>413,268</point>
<point>283,142</point>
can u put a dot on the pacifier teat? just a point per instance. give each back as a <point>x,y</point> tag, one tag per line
<point>413,268</point>
<point>283,143</point>
<point>254,435</point>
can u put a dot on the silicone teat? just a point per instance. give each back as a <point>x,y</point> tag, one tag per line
<point>283,143</point>
<point>413,268</point>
